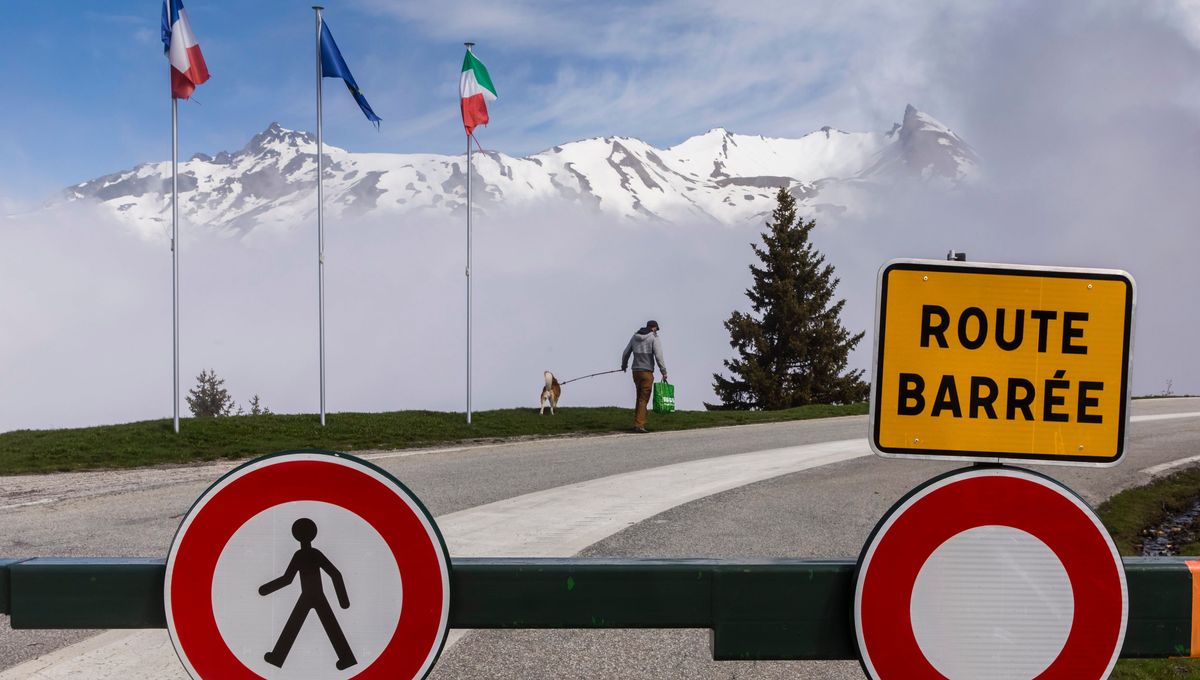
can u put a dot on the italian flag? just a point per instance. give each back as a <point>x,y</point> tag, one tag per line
<point>477,90</point>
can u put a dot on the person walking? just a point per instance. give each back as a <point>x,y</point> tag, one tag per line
<point>646,349</point>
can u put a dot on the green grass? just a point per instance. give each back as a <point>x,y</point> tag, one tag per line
<point>1132,510</point>
<point>1155,669</point>
<point>152,442</point>
<point>1125,515</point>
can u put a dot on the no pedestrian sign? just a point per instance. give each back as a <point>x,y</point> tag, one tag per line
<point>307,565</point>
<point>1001,362</point>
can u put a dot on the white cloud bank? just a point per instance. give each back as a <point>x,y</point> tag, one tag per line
<point>87,334</point>
<point>89,328</point>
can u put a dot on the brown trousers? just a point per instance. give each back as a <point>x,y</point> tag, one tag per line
<point>643,382</point>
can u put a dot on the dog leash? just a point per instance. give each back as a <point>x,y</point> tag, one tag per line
<point>590,376</point>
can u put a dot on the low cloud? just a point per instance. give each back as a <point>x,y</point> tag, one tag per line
<point>90,338</point>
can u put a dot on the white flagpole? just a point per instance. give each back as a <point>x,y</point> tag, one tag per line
<point>320,222</point>
<point>174,239</point>
<point>174,251</point>
<point>469,46</point>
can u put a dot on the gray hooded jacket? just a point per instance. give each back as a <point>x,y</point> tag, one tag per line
<point>645,348</point>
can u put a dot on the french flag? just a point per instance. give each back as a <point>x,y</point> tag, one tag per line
<point>183,51</point>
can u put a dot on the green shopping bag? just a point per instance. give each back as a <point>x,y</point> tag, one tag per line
<point>664,397</point>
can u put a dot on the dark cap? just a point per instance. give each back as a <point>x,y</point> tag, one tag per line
<point>652,324</point>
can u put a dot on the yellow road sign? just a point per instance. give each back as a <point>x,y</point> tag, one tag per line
<point>1001,362</point>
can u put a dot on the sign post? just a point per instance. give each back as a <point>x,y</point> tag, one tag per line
<point>307,564</point>
<point>1001,363</point>
<point>994,571</point>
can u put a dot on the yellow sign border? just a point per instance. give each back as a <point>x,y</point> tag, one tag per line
<point>923,453</point>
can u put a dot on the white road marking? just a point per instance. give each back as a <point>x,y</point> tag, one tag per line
<point>564,520</point>
<point>555,522</point>
<point>406,453</point>
<point>1164,416</point>
<point>1163,467</point>
<point>133,654</point>
<point>40,501</point>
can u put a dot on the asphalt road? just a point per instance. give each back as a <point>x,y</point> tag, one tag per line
<point>826,511</point>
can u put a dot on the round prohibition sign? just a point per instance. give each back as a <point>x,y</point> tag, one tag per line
<point>307,564</point>
<point>990,572</point>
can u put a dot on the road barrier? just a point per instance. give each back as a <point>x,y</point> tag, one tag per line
<point>763,610</point>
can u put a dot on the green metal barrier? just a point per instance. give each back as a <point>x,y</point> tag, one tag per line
<point>771,609</point>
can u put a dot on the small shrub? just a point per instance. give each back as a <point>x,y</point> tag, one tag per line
<point>257,408</point>
<point>209,398</point>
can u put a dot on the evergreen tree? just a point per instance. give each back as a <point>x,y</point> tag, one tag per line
<point>209,398</point>
<point>792,350</point>
<point>257,408</point>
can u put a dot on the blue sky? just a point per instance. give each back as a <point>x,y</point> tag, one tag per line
<point>86,82</point>
<point>102,105</point>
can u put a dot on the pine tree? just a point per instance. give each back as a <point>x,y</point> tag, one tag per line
<point>209,398</point>
<point>792,350</point>
<point>257,408</point>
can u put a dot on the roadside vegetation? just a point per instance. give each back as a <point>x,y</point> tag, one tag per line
<point>1126,515</point>
<point>1129,512</point>
<point>1156,669</point>
<point>152,442</point>
<point>1167,393</point>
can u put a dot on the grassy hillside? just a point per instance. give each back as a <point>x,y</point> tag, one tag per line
<point>152,442</point>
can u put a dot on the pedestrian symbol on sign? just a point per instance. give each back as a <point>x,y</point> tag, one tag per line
<point>308,562</point>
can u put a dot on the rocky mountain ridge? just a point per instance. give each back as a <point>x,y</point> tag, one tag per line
<point>719,175</point>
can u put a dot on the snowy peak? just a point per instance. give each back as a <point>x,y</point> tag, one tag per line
<point>928,149</point>
<point>278,138</point>
<point>916,120</point>
<point>270,175</point>
<point>718,175</point>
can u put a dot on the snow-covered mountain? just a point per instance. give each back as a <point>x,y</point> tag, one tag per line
<point>721,176</point>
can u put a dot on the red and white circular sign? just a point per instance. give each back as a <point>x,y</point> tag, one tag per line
<point>307,564</point>
<point>990,572</point>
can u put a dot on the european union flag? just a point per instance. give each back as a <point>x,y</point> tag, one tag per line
<point>334,66</point>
